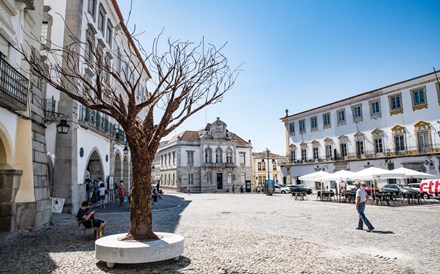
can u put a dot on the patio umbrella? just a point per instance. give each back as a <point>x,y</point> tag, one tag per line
<point>341,175</point>
<point>410,173</point>
<point>315,176</point>
<point>375,173</point>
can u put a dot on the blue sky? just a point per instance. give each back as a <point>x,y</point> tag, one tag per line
<point>297,54</point>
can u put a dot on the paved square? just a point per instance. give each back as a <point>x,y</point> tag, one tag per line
<point>247,233</point>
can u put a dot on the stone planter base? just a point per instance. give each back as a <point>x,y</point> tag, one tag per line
<point>111,250</point>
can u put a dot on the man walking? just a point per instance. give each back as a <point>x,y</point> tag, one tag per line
<point>361,200</point>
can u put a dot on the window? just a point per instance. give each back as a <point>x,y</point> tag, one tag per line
<point>91,9</point>
<point>161,160</point>
<point>359,149</point>
<point>118,61</point>
<point>174,158</point>
<point>314,123</point>
<point>208,155</point>
<point>190,179</point>
<point>242,158</point>
<point>315,153</point>
<point>101,18</point>
<point>109,34</point>
<point>44,33</point>
<point>292,155</point>
<point>326,120</point>
<point>274,165</point>
<point>375,109</point>
<point>263,165</point>
<point>341,117</point>
<point>259,166</point>
<point>343,150</point>
<point>419,98</point>
<point>292,127</point>
<point>378,145</point>
<point>89,51</point>
<point>209,178</point>
<point>302,126</point>
<point>190,157</point>
<point>395,103</point>
<point>219,155</point>
<point>423,142</point>
<point>229,156</point>
<point>399,143</point>
<point>304,154</point>
<point>357,113</point>
<point>328,152</point>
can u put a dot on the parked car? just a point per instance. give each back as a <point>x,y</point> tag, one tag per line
<point>297,189</point>
<point>282,189</point>
<point>416,187</point>
<point>399,190</point>
<point>306,188</point>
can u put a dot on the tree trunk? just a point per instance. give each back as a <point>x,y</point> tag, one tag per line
<point>141,218</point>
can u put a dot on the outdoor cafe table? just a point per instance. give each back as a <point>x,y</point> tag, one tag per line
<point>325,195</point>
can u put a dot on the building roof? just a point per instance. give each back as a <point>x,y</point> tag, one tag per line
<point>355,96</point>
<point>194,136</point>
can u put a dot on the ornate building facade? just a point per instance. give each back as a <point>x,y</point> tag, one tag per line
<point>208,160</point>
<point>397,125</point>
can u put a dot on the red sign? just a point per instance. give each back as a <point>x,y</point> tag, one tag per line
<point>430,186</point>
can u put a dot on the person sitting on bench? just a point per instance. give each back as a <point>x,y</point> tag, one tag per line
<point>87,218</point>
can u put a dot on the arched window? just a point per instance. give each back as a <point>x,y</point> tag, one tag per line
<point>219,155</point>
<point>229,156</point>
<point>208,155</point>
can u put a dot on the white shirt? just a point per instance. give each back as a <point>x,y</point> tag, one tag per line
<point>360,192</point>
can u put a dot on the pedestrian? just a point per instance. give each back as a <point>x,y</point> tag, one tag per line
<point>115,190</point>
<point>233,189</point>
<point>102,193</point>
<point>121,192</point>
<point>361,200</point>
<point>95,191</point>
<point>188,191</point>
<point>241,189</point>
<point>89,189</point>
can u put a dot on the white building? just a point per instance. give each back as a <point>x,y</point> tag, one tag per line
<point>94,146</point>
<point>209,160</point>
<point>397,125</point>
<point>24,187</point>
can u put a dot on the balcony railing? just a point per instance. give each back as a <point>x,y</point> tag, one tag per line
<point>14,87</point>
<point>98,121</point>
<point>369,155</point>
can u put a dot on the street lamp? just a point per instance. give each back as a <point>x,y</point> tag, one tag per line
<point>125,150</point>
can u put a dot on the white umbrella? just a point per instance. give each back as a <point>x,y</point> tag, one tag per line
<point>373,173</point>
<point>315,176</point>
<point>341,175</point>
<point>410,173</point>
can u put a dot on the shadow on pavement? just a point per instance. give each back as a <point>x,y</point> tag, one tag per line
<point>43,251</point>
<point>382,232</point>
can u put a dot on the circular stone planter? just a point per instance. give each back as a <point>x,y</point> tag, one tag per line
<point>111,250</point>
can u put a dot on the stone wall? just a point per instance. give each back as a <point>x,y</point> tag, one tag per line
<point>9,184</point>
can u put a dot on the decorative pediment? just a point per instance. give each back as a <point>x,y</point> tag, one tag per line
<point>303,145</point>
<point>398,129</point>
<point>315,143</point>
<point>328,141</point>
<point>359,136</point>
<point>292,146</point>
<point>343,139</point>
<point>377,132</point>
<point>421,125</point>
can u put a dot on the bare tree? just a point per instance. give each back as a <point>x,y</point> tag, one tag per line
<point>185,78</point>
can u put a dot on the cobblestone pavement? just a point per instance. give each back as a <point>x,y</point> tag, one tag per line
<point>246,233</point>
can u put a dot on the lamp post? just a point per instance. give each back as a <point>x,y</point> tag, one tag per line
<point>266,187</point>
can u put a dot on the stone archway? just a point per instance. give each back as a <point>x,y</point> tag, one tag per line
<point>9,184</point>
<point>94,166</point>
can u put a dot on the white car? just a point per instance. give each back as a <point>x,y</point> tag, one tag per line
<point>282,189</point>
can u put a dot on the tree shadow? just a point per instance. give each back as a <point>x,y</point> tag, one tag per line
<point>32,252</point>
<point>166,266</point>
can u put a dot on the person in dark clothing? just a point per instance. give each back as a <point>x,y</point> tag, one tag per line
<point>87,218</point>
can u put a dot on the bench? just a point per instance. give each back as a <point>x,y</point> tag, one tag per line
<point>83,228</point>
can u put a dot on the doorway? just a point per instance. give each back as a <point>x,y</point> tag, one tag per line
<point>219,180</point>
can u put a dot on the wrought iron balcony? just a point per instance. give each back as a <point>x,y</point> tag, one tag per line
<point>96,120</point>
<point>14,87</point>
